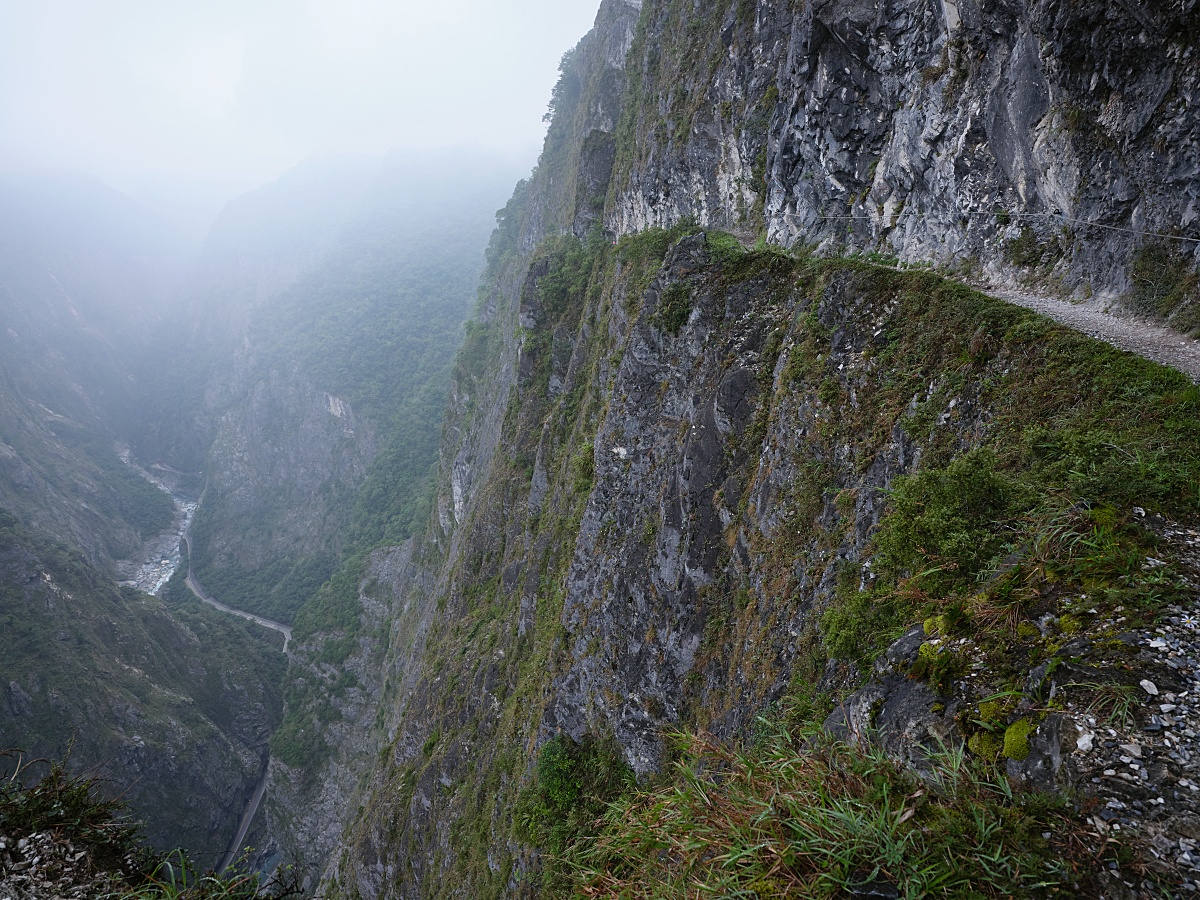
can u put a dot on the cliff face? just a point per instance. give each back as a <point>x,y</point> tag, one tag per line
<point>424,596</point>
<point>1046,139</point>
<point>667,461</point>
<point>281,477</point>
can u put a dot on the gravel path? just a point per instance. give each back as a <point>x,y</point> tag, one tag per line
<point>1147,339</point>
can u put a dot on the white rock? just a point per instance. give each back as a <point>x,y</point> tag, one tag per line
<point>1133,750</point>
<point>1084,742</point>
<point>1149,687</point>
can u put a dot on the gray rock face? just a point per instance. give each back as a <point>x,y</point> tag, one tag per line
<point>937,131</point>
<point>704,463</point>
<point>306,810</point>
<point>637,519</point>
<point>650,537</point>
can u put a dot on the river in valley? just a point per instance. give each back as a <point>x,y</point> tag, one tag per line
<point>161,554</point>
<point>161,557</point>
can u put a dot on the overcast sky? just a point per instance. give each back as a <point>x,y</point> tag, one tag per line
<point>218,96</point>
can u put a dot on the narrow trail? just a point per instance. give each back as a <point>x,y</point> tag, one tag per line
<point>163,467</point>
<point>194,586</point>
<point>1149,340</point>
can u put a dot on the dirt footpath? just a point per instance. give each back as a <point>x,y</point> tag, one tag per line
<point>1147,339</point>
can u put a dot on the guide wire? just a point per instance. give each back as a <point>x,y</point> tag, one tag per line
<point>1025,215</point>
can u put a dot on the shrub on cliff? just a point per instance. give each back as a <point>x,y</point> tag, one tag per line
<point>61,836</point>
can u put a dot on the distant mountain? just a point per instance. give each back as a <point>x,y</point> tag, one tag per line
<point>84,275</point>
<point>308,364</point>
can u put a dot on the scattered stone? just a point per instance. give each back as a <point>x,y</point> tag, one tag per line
<point>49,865</point>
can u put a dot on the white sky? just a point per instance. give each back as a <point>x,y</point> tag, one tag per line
<point>219,96</point>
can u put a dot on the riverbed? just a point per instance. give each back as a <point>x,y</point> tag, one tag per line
<point>161,554</point>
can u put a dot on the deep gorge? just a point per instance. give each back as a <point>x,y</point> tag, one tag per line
<point>736,539</point>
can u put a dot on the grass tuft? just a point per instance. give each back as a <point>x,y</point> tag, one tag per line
<point>803,815</point>
<point>106,855</point>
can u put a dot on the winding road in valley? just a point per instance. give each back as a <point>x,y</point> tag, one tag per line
<point>194,586</point>
<point>248,815</point>
<point>251,809</point>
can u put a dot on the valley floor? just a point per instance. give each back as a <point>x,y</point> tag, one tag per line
<point>195,587</point>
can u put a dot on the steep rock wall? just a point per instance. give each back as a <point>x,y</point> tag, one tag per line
<point>936,131</point>
<point>408,745</point>
<point>661,469</point>
<point>282,470</point>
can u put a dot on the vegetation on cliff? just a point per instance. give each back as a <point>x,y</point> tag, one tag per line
<point>174,703</point>
<point>62,835</point>
<point>1041,452</point>
<point>798,814</point>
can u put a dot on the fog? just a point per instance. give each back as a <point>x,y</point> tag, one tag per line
<point>184,106</point>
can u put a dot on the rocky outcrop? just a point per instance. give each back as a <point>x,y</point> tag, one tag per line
<point>278,450</point>
<point>1133,756</point>
<point>1047,138</point>
<point>307,800</point>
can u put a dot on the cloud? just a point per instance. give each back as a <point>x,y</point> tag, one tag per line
<point>241,91</point>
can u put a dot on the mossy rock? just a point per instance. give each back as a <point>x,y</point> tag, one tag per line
<point>986,745</point>
<point>1069,624</point>
<point>1027,632</point>
<point>992,711</point>
<point>939,666</point>
<point>1016,739</point>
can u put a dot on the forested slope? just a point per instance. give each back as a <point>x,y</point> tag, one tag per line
<point>321,412</point>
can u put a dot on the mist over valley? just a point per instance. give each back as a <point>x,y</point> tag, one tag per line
<point>754,452</point>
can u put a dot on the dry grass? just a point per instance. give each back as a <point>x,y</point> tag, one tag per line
<point>806,816</point>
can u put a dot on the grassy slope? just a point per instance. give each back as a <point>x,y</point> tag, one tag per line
<point>1008,517</point>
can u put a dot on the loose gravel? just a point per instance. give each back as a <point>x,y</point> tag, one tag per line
<point>1148,340</point>
<point>47,864</point>
<point>1144,772</point>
